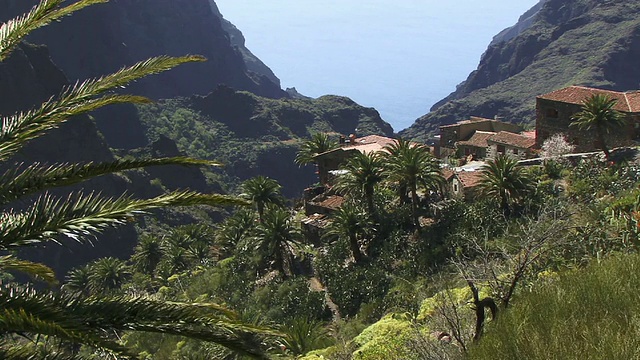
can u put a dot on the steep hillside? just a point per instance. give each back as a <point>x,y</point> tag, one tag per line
<point>577,42</point>
<point>103,38</point>
<point>253,135</point>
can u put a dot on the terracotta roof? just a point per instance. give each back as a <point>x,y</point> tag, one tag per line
<point>370,143</point>
<point>511,139</point>
<point>469,179</point>
<point>447,174</point>
<point>332,202</point>
<point>626,101</point>
<point>478,139</point>
<point>529,134</point>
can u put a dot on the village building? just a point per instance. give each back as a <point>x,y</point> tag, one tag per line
<point>462,184</point>
<point>519,146</point>
<point>555,112</point>
<point>469,136</point>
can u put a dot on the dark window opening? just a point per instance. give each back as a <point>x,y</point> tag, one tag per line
<point>552,113</point>
<point>500,149</point>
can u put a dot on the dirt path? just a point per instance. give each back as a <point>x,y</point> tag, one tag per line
<point>316,285</point>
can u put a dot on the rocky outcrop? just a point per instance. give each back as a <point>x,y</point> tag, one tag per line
<point>560,43</point>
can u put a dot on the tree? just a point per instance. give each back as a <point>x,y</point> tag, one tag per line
<point>598,114</point>
<point>412,166</point>
<point>364,172</point>
<point>74,318</point>
<point>349,223</point>
<point>504,180</point>
<point>262,191</point>
<point>318,144</point>
<point>277,238</point>
<point>147,254</point>
<point>107,274</point>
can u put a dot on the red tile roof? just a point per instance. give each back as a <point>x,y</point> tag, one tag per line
<point>469,179</point>
<point>511,139</point>
<point>472,119</point>
<point>332,202</point>
<point>626,101</point>
<point>529,134</point>
<point>478,139</point>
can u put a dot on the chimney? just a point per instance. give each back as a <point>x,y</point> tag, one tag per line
<point>352,139</point>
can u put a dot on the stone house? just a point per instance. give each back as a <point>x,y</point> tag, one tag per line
<point>463,131</point>
<point>476,146</point>
<point>506,143</point>
<point>555,110</point>
<point>462,184</point>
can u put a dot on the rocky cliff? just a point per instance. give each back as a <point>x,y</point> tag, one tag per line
<point>556,44</point>
<point>103,38</point>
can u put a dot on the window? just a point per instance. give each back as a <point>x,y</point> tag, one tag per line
<point>455,187</point>
<point>552,113</point>
<point>515,151</point>
<point>500,149</point>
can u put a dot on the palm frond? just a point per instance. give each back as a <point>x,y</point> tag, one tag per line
<point>19,181</point>
<point>13,31</point>
<point>78,99</point>
<point>30,351</point>
<point>36,270</point>
<point>80,216</point>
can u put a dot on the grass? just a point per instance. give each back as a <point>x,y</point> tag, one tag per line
<point>592,313</point>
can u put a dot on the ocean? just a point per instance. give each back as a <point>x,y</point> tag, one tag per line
<point>398,56</point>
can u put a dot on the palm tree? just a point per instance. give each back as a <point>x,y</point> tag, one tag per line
<point>147,254</point>
<point>350,223</point>
<point>412,166</point>
<point>76,318</point>
<point>262,191</point>
<point>77,280</point>
<point>318,144</point>
<point>598,114</point>
<point>107,274</point>
<point>364,172</point>
<point>277,238</point>
<point>504,180</point>
<point>234,229</point>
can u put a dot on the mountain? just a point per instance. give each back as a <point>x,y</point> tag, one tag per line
<point>555,44</point>
<point>254,135</point>
<point>103,38</point>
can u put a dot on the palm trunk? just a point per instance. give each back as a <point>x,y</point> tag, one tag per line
<point>370,205</point>
<point>414,204</point>
<point>355,248</point>
<point>603,145</point>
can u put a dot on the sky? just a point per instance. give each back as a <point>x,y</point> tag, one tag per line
<point>398,56</point>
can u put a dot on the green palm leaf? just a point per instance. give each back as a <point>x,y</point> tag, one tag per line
<point>36,270</point>
<point>78,99</point>
<point>80,216</point>
<point>13,31</point>
<point>20,181</point>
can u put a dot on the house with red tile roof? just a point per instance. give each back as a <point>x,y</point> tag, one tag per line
<point>507,143</point>
<point>463,184</point>
<point>555,111</point>
<point>464,131</point>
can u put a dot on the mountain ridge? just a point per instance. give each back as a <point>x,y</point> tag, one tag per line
<point>581,42</point>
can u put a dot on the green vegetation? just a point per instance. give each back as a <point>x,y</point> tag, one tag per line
<point>598,114</point>
<point>44,323</point>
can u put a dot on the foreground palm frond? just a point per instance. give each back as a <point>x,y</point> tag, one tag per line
<point>13,31</point>
<point>78,99</point>
<point>36,270</point>
<point>79,216</point>
<point>20,181</point>
<point>79,319</point>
